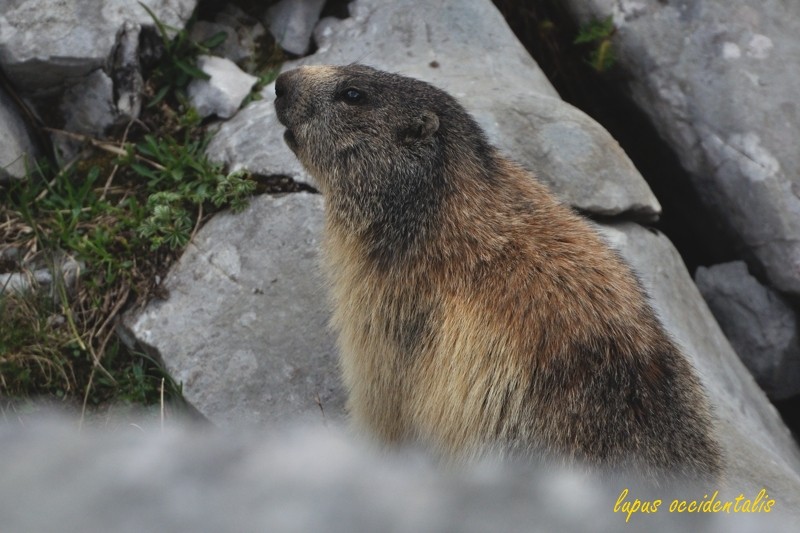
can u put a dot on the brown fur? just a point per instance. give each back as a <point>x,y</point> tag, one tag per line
<point>475,312</point>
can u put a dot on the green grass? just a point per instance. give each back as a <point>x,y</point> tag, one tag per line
<point>124,212</point>
<point>60,340</point>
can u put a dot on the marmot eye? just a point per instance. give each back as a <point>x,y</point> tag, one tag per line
<point>352,95</point>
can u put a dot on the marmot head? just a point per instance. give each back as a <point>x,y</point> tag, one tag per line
<point>333,114</point>
<point>384,149</point>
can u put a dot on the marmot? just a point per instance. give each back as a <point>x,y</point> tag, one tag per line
<point>475,312</point>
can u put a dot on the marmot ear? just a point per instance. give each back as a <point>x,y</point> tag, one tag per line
<point>421,127</point>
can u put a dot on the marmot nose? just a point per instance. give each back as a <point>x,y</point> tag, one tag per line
<point>284,83</point>
<point>280,86</point>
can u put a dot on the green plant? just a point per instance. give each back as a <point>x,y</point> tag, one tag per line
<point>34,346</point>
<point>178,65</point>
<point>599,33</point>
<point>137,378</point>
<point>180,179</point>
<point>122,214</point>
<point>168,223</point>
<point>51,340</point>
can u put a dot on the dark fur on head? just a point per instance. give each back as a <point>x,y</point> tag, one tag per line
<point>391,126</point>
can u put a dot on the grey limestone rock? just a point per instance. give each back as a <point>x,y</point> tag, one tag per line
<point>88,107</point>
<point>253,139</point>
<point>292,23</point>
<point>224,91</point>
<point>126,72</point>
<point>301,479</point>
<point>44,43</point>
<point>466,48</point>
<point>759,322</point>
<point>245,326</point>
<point>67,270</point>
<point>83,55</point>
<point>17,148</point>
<point>719,81</point>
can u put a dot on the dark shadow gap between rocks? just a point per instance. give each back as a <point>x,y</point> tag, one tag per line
<point>547,31</point>
<point>277,184</point>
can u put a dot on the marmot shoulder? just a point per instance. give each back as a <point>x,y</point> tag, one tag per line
<point>475,312</point>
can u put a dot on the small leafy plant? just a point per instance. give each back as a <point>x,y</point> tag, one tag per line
<point>180,178</point>
<point>168,222</point>
<point>598,34</point>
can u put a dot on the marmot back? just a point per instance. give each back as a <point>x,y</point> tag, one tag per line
<point>475,312</point>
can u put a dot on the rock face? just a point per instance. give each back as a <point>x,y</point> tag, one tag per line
<point>292,23</point>
<point>719,81</point>
<point>17,149</point>
<point>310,479</point>
<point>760,323</point>
<point>45,43</point>
<point>224,91</point>
<point>83,55</point>
<point>512,100</point>
<point>64,269</point>
<point>88,107</point>
<point>245,326</point>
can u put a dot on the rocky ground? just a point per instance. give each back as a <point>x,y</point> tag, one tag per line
<point>240,321</point>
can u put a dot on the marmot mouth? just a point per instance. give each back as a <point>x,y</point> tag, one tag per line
<point>290,139</point>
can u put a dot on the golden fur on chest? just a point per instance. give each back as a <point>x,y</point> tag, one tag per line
<point>446,351</point>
